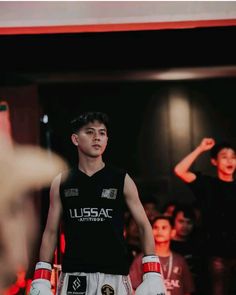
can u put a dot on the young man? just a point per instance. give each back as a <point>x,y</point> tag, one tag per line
<point>184,222</point>
<point>177,277</point>
<point>217,196</point>
<point>186,241</point>
<point>91,203</point>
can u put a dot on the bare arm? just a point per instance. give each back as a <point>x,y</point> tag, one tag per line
<point>139,215</point>
<point>182,168</point>
<point>50,234</point>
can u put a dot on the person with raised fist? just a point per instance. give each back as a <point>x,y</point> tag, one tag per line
<point>216,198</point>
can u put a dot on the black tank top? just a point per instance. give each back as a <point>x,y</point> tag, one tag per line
<point>93,220</point>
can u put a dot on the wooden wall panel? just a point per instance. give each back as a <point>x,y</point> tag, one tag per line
<point>24,112</point>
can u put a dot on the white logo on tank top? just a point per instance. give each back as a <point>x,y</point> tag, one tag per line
<point>91,214</point>
<point>109,193</point>
<point>71,192</point>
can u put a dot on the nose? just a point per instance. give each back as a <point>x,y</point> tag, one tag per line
<point>229,162</point>
<point>97,136</point>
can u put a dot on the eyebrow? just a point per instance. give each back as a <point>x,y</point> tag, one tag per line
<point>92,128</point>
<point>225,152</point>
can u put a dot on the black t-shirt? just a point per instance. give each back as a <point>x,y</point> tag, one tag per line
<point>93,216</point>
<point>217,200</point>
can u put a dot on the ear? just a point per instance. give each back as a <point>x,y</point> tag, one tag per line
<point>74,139</point>
<point>213,162</point>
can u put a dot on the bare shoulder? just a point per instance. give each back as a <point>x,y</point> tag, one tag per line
<point>57,180</point>
<point>55,186</point>
<point>129,183</point>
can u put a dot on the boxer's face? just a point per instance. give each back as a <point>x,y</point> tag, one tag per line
<point>91,139</point>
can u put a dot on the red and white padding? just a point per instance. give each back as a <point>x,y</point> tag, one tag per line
<point>41,284</point>
<point>153,283</point>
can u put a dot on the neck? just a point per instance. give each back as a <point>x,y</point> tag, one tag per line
<point>163,249</point>
<point>225,177</point>
<point>90,165</point>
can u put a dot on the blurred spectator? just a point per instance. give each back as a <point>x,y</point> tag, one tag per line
<point>23,169</point>
<point>151,208</point>
<point>169,207</point>
<point>177,277</point>
<point>187,241</point>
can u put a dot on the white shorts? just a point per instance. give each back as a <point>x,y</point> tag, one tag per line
<point>80,283</point>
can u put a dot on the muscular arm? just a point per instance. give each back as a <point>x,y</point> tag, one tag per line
<point>50,234</point>
<point>139,215</point>
<point>182,168</point>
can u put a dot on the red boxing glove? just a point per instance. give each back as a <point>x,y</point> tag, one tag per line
<point>41,284</point>
<point>153,283</point>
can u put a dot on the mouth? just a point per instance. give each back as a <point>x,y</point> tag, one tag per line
<point>96,146</point>
<point>229,167</point>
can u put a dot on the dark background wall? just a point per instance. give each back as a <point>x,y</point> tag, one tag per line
<point>157,49</point>
<point>153,123</point>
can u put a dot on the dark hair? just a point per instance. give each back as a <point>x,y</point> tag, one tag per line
<point>88,117</point>
<point>168,204</point>
<point>148,199</point>
<point>165,217</point>
<point>220,146</point>
<point>187,209</point>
